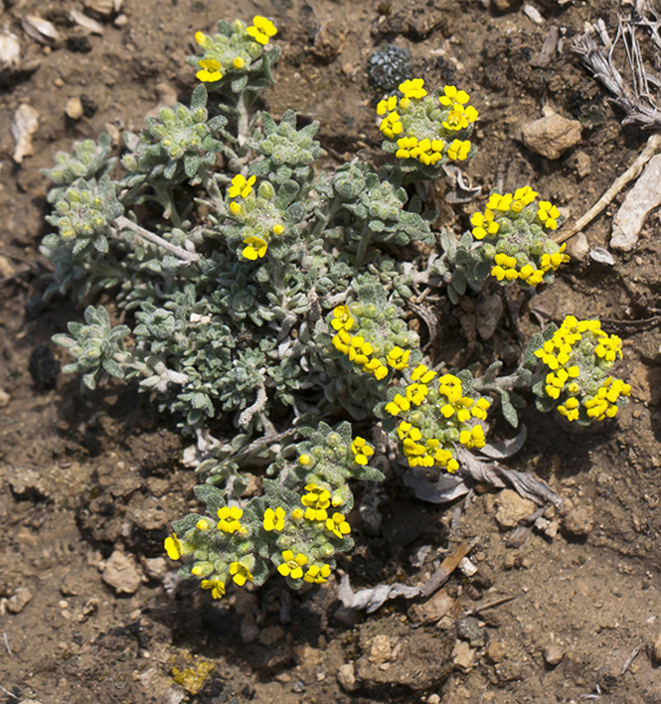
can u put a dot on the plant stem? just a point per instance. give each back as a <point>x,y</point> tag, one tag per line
<point>123,223</point>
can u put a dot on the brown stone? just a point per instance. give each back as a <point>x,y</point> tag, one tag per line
<point>511,508</point>
<point>551,136</point>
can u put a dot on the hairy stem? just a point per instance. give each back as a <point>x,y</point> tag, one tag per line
<point>123,223</point>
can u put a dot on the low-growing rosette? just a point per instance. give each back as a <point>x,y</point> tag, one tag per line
<point>433,413</point>
<point>512,236</point>
<point>425,130</point>
<point>576,379</point>
<point>236,54</point>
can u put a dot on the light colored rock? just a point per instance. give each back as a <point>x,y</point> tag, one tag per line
<point>533,14</point>
<point>24,124</point>
<point>380,649</point>
<point>433,609</point>
<point>553,654</point>
<point>505,5</point>
<point>578,523</point>
<point>156,567</point>
<point>19,600</point>
<point>346,676</point>
<point>551,136</point>
<point>467,568</point>
<point>578,247</point>
<point>40,29</point>
<point>10,51</point>
<point>463,656</point>
<point>121,573</point>
<point>511,508</point>
<point>103,8</point>
<point>5,398</point>
<point>496,652</point>
<point>641,199</point>
<point>583,164</point>
<point>74,108</point>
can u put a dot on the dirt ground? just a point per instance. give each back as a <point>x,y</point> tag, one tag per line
<point>91,481</point>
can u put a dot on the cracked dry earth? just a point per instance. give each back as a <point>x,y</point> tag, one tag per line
<point>90,482</point>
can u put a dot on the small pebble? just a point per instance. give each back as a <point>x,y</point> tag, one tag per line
<point>553,654</point>
<point>346,676</point>
<point>74,108</point>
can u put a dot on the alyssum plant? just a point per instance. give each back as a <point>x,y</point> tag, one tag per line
<point>260,291</point>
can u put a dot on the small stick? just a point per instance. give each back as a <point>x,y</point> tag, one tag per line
<point>652,146</point>
<point>124,223</point>
<point>4,636</point>
<point>490,605</point>
<point>631,658</point>
<point>7,692</point>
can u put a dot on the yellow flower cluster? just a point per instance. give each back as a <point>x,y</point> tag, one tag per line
<point>423,449</point>
<point>577,352</point>
<point>292,567</point>
<point>506,267</point>
<point>460,117</point>
<point>241,188</point>
<point>502,210</point>
<point>420,137</point>
<point>360,351</point>
<point>603,404</point>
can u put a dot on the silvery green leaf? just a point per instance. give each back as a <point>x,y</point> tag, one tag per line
<point>509,412</point>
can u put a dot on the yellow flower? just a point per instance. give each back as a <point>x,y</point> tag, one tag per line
<point>317,497</point>
<point>217,587</point>
<point>235,208</point>
<point>361,450</point>
<point>274,520</point>
<point>422,374</point>
<point>262,29</point>
<point>458,150</point>
<point>203,524</point>
<point>229,519</point>
<point>278,229</point>
<point>338,525</point>
<point>239,63</point>
<point>210,71</point>
<point>397,358</point>
<point>413,88</point>
<point>342,318</point>
<point>291,566</point>
<point>241,186</point>
<point>317,575</point>
<point>202,39</point>
<point>452,95</point>
<point>256,248</point>
<point>305,460</point>
<point>240,573</point>
<point>173,547</point>
<point>548,214</point>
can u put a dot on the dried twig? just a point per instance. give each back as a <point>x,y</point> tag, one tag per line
<point>6,640</point>
<point>490,605</point>
<point>631,658</point>
<point>653,145</point>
